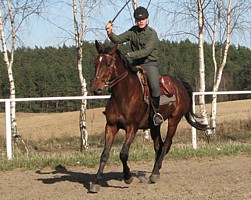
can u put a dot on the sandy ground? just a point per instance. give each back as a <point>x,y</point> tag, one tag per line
<point>225,178</point>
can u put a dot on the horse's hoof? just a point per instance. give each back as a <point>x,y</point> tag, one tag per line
<point>153,178</point>
<point>129,181</point>
<point>94,188</point>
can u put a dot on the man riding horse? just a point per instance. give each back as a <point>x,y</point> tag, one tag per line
<point>144,52</point>
<point>126,108</point>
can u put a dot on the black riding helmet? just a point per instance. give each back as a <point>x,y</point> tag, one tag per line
<point>141,13</point>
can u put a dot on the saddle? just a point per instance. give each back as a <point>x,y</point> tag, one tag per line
<point>166,87</point>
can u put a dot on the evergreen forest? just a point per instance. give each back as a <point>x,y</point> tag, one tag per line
<point>51,72</point>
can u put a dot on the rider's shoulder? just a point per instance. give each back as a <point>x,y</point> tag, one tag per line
<point>133,28</point>
<point>151,29</point>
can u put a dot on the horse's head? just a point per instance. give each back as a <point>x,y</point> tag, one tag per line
<point>104,67</point>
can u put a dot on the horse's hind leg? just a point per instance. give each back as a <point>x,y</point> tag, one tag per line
<point>124,154</point>
<point>158,143</point>
<point>172,126</point>
<point>110,132</point>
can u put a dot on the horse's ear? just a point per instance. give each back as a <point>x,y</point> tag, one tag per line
<point>98,46</point>
<point>113,49</point>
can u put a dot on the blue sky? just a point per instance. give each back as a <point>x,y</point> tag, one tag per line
<point>42,33</point>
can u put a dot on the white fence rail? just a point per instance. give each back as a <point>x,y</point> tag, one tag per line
<point>8,113</point>
<point>194,137</point>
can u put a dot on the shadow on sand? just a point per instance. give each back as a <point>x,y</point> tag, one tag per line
<point>62,174</point>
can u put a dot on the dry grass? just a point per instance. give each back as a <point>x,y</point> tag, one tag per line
<point>44,126</point>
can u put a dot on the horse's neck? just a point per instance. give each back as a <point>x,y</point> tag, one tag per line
<point>129,80</point>
<point>127,85</point>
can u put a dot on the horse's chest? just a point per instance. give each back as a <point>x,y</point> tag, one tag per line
<point>112,114</point>
<point>113,118</point>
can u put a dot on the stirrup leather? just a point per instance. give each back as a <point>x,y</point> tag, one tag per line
<point>157,119</point>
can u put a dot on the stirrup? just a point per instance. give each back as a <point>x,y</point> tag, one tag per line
<point>157,119</point>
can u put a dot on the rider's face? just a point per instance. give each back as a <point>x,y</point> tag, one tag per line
<point>141,22</point>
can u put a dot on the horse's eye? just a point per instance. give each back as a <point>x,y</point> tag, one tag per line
<point>109,63</point>
<point>95,62</point>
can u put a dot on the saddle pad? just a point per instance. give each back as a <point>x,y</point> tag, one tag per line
<point>165,99</point>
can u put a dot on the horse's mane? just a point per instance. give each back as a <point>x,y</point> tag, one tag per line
<point>121,55</point>
<point>123,58</point>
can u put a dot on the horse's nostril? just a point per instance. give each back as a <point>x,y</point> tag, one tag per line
<point>97,91</point>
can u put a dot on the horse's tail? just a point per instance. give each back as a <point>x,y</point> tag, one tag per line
<point>190,115</point>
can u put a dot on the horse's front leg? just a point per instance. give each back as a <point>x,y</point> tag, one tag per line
<point>124,154</point>
<point>110,132</point>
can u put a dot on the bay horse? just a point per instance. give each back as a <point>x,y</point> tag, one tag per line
<point>127,110</point>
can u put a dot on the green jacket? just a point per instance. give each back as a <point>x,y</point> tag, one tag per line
<point>144,44</point>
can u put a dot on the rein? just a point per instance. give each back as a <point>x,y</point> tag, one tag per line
<point>113,82</point>
<point>118,79</point>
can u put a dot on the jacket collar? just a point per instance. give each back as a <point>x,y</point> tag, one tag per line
<point>143,30</point>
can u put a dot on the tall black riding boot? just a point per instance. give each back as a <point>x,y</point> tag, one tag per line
<point>157,117</point>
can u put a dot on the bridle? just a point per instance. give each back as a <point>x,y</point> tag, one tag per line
<point>118,78</point>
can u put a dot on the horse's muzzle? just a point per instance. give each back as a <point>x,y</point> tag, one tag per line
<point>97,91</point>
<point>97,87</point>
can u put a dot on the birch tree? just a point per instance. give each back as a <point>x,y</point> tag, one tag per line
<point>79,29</point>
<point>223,19</point>
<point>80,17</point>
<point>7,16</point>
<point>145,131</point>
<point>228,19</point>
<point>8,60</point>
<point>202,85</point>
<point>134,4</point>
<point>218,21</point>
<point>218,67</point>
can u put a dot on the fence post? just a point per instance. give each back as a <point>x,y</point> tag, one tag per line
<point>8,130</point>
<point>194,139</point>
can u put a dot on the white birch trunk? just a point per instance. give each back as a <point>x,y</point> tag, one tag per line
<point>10,74</point>
<point>201,62</point>
<point>145,131</point>
<point>134,2</point>
<point>9,63</point>
<point>214,97</point>
<point>79,47</point>
<point>219,70</point>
